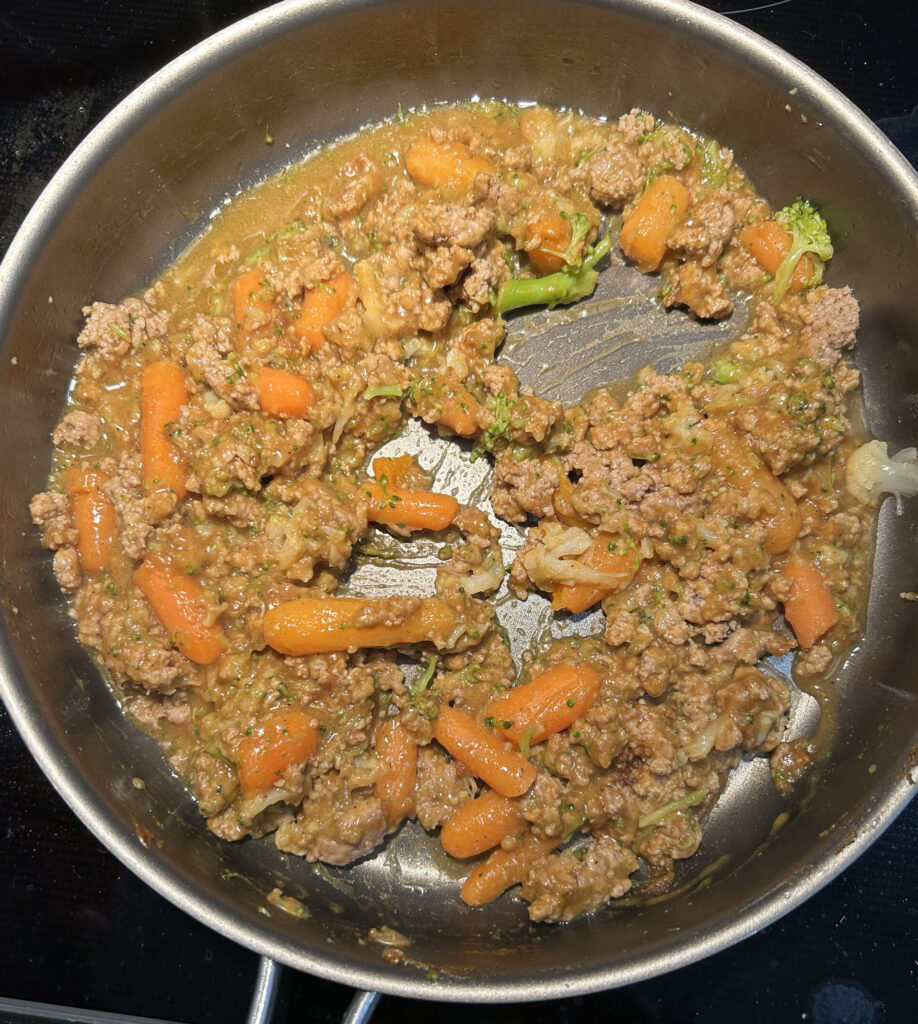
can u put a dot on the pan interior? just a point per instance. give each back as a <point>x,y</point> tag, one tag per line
<point>144,184</point>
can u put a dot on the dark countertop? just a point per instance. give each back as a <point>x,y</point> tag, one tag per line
<point>77,929</point>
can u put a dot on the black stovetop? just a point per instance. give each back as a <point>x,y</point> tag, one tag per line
<point>77,929</point>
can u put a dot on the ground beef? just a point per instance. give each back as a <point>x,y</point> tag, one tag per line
<point>705,231</point>
<point>396,297</point>
<point>523,487</point>
<point>615,173</point>
<point>67,572</point>
<point>125,490</point>
<point>574,882</point>
<point>465,226</point>
<point>323,830</point>
<point>487,271</point>
<point>355,184</point>
<point>299,261</point>
<point>830,320</point>
<point>443,265</point>
<point>52,515</point>
<point>697,287</point>
<point>113,330</point>
<point>211,360</point>
<point>131,643</point>
<point>78,429</point>
<point>441,787</point>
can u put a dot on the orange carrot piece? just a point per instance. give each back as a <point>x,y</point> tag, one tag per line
<point>412,510</point>
<point>322,625</point>
<point>281,393</point>
<point>286,737</point>
<point>660,208</point>
<point>321,305</point>
<point>547,238</point>
<point>93,517</point>
<point>483,753</point>
<point>396,783</point>
<point>562,502</point>
<point>743,469</point>
<point>253,300</point>
<point>182,607</point>
<point>163,394</point>
<point>504,868</point>
<point>481,824</point>
<point>769,243</point>
<point>546,705</point>
<point>394,468</point>
<point>459,413</point>
<point>608,553</point>
<point>448,166</point>
<point>810,607</point>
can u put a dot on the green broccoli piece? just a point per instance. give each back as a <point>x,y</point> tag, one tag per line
<point>565,286</point>
<point>424,681</point>
<point>579,228</point>
<point>810,238</point>
<point>713,171</point>
<point>501,406</point>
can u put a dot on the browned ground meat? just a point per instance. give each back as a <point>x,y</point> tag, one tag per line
<point>675,505</point>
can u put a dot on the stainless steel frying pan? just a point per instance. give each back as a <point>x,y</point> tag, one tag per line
<point>142,186</point>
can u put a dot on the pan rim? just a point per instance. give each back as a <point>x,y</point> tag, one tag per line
<point>65,774</point>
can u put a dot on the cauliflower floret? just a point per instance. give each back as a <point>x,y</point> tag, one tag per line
<point>872,472</point>
<point>555,559</point>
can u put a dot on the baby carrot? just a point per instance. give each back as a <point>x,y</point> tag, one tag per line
<point>163,394</point>
<point>481,824</point>
<point>412,510</point>
<point>284,738</point>
<point>482,752</point>
<point>547,238</point>
<point>93,517</point>
<point>448,166</point>
<point>283,394</point>
<point>546,705</point>
<point>396,783</point>
<point>459,413</point>
<point>394,468</point>
<point>253,300</point>
<point>322,625</point>
<point>562,502</point>
<point>743,469</point>
<point>321,305</point>
<point>768,244</point>
<point>810,607</point>
<point>504,868</point>
<point>609,553</point>
<point>182,607</point>
<point>661,206</point>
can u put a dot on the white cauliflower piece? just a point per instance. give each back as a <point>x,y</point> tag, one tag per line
<point>554,559</point>
<point>872,471</point>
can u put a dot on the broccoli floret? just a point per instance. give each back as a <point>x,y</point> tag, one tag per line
<point>567,285</point>
<point>579,228</point>
<point>810,238</point>
<point>500,405</point>
<point>499,430</point>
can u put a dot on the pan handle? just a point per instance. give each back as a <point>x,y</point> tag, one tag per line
<point>265,995</point>
<point>360,1011</point>
<point>362,1008</point>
